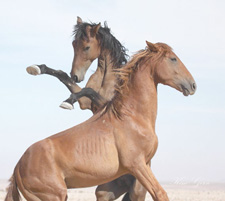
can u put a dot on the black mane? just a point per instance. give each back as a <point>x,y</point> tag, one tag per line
<point>107,42</point>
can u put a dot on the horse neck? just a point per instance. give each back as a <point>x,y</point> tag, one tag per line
<point>104,62</point>
<point>108,77</point>
<point>141,99</point>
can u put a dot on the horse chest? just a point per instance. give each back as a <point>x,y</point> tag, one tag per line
<point>148,145</point>
<point>147,140</point>
<point>133,145</point>
<point>151,148</point>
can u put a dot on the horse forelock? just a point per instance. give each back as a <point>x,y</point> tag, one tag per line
<point>80,31</point>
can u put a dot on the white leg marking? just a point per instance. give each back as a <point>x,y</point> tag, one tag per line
<point>33,70</point>
<point>66,105</point>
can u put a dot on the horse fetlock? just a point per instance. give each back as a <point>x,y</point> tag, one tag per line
<point>43,68</point>
<point>85,103</point>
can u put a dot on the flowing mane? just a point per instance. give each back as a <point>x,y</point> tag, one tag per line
<point>107,42</point>
<point>125,73</point>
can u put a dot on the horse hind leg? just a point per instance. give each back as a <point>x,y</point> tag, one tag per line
<point>45,194</point>
<point>114,189</point>
<point>52,190</point>
<point>32,189</point>
<point>51,197</point>
<point>136,192</point>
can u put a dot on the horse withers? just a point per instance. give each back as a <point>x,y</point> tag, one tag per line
<point>118,140</point>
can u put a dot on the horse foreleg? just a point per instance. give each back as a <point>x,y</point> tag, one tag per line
<point>145,176</point>
<point>84,102</point>
<point>137,192</point>
<point>61,75</point>
<point>96,99</point>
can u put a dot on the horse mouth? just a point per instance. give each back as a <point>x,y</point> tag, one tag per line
<point>185,91</point>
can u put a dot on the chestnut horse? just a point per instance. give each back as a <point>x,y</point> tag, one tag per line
<point>119,139</point>
<point>93,41</point>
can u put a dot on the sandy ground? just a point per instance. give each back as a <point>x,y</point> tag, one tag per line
<point>176,192</point>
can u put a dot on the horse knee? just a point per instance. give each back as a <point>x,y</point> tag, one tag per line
<point>85,103</point>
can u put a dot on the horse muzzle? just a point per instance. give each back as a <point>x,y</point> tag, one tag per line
<point>75,78</point>
<point>188,88</point>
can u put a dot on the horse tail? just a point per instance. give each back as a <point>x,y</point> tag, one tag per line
<point>12,191</point>
<point>126,197</point>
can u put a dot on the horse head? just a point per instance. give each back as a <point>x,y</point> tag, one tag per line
<point>170,70</point>
<point>86,48</point>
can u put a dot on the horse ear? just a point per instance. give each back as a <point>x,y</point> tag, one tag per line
<point>96,28</point>
<point>151,46</point>
<point>79,20</point>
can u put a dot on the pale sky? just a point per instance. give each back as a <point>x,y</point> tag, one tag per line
<point>190,129</point>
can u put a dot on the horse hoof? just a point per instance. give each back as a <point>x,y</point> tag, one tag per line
<point>33,70</point>
<point>66,105</point>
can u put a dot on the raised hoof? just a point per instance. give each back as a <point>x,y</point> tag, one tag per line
<point>33,70</point>
<point>66,105</point>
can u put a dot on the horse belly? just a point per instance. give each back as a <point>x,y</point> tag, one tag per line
<point>92,177</point>
<point>95,162</point>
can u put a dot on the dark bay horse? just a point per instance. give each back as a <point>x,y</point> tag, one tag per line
<point>119,139</point>
<point>91,41</point>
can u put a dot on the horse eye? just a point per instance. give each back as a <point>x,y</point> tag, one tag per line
<point>86,48</point>
<point>173,59</point>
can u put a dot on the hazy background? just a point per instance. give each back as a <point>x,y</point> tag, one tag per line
<point>190,129</point>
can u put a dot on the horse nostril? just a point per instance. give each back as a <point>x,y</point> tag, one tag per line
<point>75,78</point>
<point>194,86</point>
